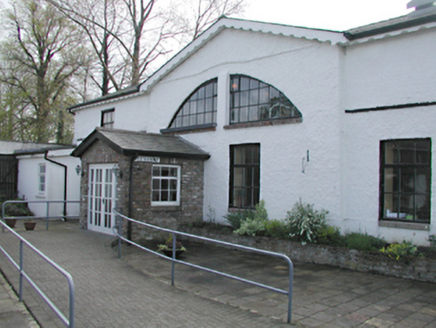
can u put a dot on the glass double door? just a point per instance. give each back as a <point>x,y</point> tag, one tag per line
<point>101,198</point>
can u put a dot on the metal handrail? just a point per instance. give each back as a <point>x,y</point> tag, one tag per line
<point>46,217</point>
<point>69,322</point>
<point>174,260</point>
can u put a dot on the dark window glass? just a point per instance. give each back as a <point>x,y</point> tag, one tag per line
<point>199,108</point>
<point>252,100</point>
<point>244,175</point>
<point>405,176</point>
<point>165,185</point>
<point>107,118</point>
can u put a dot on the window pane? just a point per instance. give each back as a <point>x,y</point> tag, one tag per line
<point>243,115</point>
<point>244,176</point>
<point>406,179</point>
<point>253,114</point>
<point>245,83</point>
<point>253,92</point>
<point>155,196</point>
<point>201,101</point>
<point>244,98</point>
<point>391,180</point>
<point>156,184</point>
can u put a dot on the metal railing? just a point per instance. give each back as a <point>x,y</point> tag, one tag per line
<point>47,217</point>
<point>118,233</point>
<point>69,322</point>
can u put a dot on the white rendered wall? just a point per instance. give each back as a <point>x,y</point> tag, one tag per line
<point>389,72</point>
<point>307,72</point>
<point>342,175</point>
<point>28,182</point>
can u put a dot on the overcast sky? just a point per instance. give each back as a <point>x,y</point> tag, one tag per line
<point>336,15</point>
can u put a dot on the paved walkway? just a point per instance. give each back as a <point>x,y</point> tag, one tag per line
<point>134,291</point>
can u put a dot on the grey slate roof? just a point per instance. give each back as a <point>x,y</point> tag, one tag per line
<point>389,25</point>
<point>131,143</point>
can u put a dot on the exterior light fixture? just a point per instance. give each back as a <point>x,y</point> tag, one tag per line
<point>78,169</point>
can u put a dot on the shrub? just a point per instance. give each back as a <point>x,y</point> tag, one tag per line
<point>255,225</point>
<point>405,249</point>
<point>251,227</point>
<point>236,218</point>
<point>329,235</point>
<point>276,229</point>
<point>363,242</point>
<point>305,222</point>
<point>17,209</point>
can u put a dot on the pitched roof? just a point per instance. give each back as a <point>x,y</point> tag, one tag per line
<point>404,24</point>
<point>132,143</point>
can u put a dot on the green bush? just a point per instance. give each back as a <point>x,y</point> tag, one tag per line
<point>363,242</point>
<point>405,249</point>
<point>305,222</point>
<point>329,235</point>
<point>236,218</point>
<point>255,225</point>
<point>251,227</point>
<point>17,209</point>
<point>276,229</point>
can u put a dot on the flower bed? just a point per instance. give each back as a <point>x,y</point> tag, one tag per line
<point>422,269</point>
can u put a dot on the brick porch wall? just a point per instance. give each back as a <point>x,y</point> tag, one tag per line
<point>191,198</point>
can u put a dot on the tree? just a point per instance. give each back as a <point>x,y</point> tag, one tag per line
<point>40,57</point>
<point>129,36</point>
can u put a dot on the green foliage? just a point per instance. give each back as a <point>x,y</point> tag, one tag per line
<point>305,222</point>
<point>363,242</point>
<point>17,209</point>
<point>254,225</point>
<point>276,229</point>
<point>329,235</point>
<point>251,227</point>
<point>236,218</point>
<point>405,249</point>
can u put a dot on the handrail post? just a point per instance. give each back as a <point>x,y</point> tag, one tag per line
<point>21,272</point>
<point>71,318</point>
<point>119,221</point>
<point>290,291</point>
<point>3,216</point>
<point>48,211</point>
<point>173,258</point>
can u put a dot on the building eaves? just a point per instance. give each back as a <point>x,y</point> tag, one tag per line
<point>41,150</point>
<point>131,91</point>
<point>389,26</point>
<point>131,143</point>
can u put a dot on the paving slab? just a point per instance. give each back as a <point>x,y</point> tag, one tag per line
<point>109,292</point>
<point>135,291</point>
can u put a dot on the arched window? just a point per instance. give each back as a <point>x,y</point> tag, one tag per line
<point>253,100</point>
<point>199,109</point>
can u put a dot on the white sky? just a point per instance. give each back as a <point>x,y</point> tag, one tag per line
<point>336,15</point>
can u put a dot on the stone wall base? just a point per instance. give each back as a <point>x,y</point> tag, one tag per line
<point>421,269</point>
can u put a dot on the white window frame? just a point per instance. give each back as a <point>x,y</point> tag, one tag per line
<point>178,178</point>
<point>40,192</point>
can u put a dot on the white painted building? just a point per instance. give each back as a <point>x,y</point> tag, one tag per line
<point>342,120</point>
<point>43,172</point>
<point>49,175</point>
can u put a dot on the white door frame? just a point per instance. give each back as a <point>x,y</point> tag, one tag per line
<point>101,197</point>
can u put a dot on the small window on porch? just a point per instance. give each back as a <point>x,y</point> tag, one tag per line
<point>165,190</point>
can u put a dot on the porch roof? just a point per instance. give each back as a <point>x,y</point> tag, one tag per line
<point>131,143</point>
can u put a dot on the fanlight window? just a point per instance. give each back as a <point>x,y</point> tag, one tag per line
<point>252,100</point>
<point>199,108</point>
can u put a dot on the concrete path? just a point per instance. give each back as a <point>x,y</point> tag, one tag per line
<point>134,291</point>
<point>109,292</point>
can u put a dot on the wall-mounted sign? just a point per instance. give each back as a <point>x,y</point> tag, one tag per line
<point>147,159</point>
